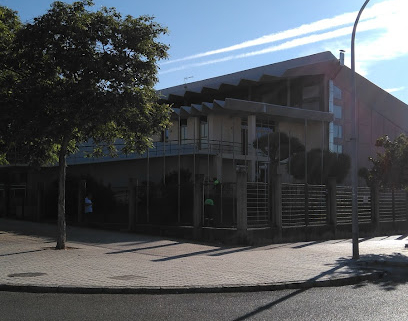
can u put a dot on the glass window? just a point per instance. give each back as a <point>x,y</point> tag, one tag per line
<point>337,149</point>
<point>183,129</point>
<point>336,92</point>
<point>165,135</point>
<point>337,111</point>
<point>264,129</point>
<point>203,127</point>
<point>338,131</point>
<point>310,92</point>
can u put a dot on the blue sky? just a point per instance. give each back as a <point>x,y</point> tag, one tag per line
<point>211,38</point>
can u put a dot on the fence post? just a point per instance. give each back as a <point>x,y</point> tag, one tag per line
<point>81,200</point>
<point>393,204</point>
<point>306,204</point>
<point>406,206</point>
<point>40,198</point>
<point>132,205</point>
<point>375,206</point>
<point>276,187</point>
<point>242,215</point>
<point>198,206</point>
<point>332,202</point>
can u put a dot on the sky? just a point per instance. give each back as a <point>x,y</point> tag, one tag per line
<point>215,37</point>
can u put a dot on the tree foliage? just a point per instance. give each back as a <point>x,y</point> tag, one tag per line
<point>278,146</point>
<point>79,75</point>
<point>390,167</point>
<point>318,169</point>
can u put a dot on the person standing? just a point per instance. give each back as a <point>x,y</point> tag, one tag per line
<point>88,207</point>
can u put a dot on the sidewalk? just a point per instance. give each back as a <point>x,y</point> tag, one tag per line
<point>112,262</point>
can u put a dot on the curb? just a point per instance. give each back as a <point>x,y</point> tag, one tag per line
<point>355,279</point>
<point>382,263</point>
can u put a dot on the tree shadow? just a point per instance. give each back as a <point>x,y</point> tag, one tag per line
<point>394,266</point>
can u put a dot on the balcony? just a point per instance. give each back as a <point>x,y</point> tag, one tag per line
<point>173,148</point>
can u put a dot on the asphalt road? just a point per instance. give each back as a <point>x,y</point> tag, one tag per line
<point>383,300</point>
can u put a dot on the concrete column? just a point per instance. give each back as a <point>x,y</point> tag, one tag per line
<point>198,206</point>
<point>251,149</point>
<point>217,164</point>
<point>331,201</point>
<point>375,205</point>
<point>81,200</point>
<point>3,205</point>
<point>276,186</point>
<point>242,216</point>
<point>132,206</point>
<point>40,205</point>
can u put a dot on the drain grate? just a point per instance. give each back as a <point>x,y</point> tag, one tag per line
<point>26,275</point>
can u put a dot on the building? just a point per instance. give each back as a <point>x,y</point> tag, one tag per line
<point>216,123</point>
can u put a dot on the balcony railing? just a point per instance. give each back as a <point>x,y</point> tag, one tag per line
<point>170,148</point>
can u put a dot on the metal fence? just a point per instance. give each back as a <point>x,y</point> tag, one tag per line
<point>293,205</point>
<point>392,205</point>
<point>317,202</point>
<point>344,203</point>
<point>304,205</point>
<point>257,204</point>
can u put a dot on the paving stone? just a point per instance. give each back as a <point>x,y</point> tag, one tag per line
<point>110,260</point>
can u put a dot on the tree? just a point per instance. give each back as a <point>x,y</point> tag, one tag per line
<point>278,146</point>
<point>318,169</point>
<point>390,168</point>
<point>9,25</point>
<point>82,76</point>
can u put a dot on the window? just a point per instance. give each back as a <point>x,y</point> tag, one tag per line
<point>338,112</point>
<point>203,143</point>
<point>336,92</point>
<point>183,130</point>
<point>336,148</point>
<point>337,131</point>
<point>203,127</point>
<point>164,135</point>
<point>263,129</point>
<point>310,92</point>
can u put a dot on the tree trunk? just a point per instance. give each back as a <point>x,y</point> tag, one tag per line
<point>62,232</point>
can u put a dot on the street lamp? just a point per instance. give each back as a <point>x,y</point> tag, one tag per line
<point>354,114</point>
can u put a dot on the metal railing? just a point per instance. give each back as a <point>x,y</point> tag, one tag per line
<point>392,205</point>
<point>169,148</point>
<point>293,205</point>
<point>257,204</point>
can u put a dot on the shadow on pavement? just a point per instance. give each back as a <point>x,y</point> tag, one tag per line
<point>394,265</point>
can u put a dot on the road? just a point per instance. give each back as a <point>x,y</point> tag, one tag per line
<point>383,300</point>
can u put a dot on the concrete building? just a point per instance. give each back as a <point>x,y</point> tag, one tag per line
<point>216,121</point>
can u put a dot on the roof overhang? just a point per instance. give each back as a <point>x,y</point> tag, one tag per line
<point>264,110</point>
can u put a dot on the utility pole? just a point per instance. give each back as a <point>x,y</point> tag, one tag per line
<point>354,115</point>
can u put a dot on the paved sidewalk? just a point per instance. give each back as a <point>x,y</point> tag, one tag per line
<point>112,262</point>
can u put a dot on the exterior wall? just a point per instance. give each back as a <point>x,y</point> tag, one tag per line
<point>371,125</point>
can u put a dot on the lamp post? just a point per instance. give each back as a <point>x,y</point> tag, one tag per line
<point>354,115</point>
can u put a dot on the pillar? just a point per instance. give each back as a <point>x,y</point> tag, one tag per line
<point>40,198</point>
<point>242,216</point>
<point>375,206</point>
<point>81,200</point>
<point>198,206</point>
<point>331,201</point>
<point>132,206</point>
<point>276,186</point>
<point>251,149</point>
